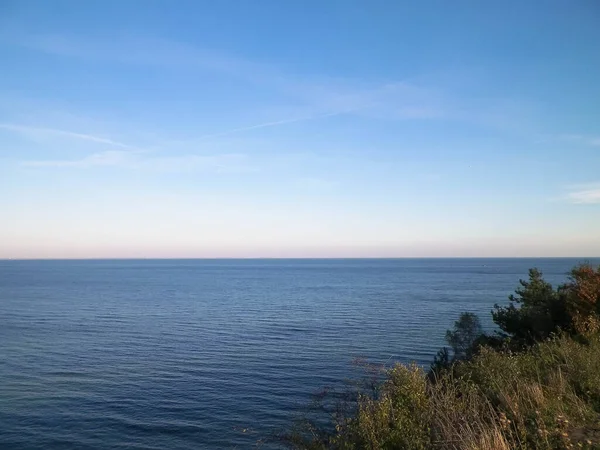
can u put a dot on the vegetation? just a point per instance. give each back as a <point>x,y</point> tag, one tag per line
<point>533,384</point>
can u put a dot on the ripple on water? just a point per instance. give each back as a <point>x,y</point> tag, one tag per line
<point>214,354</point>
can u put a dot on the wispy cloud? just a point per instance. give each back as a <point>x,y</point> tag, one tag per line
<point>317,184</point>
<point>37,132</point>
<point>306,97</point>
<point>270,124</point>
<point>107,159</point>
<point>220,163</point>
<point>584,194</point>
<point>216,163</point>
<point>134,50</point>
<point>324,95</point>
<point>593,141</point>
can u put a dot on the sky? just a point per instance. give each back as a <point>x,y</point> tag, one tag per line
<point>315,128</point>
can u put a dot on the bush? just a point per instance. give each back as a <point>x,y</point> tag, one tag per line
<point>533,385</point>
<point>538,311</point>
<point>583,299</point>
<point>397,418</point>
<point>534,313</point>
<point>467,331</point>
<point>542,398</point>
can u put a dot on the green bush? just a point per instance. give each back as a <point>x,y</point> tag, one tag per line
<point>542,398</point>
<point>537,311</point>
<point>534,313</point>
<point>463,339</point>
<point>533,385</point>
<point>397,418</point>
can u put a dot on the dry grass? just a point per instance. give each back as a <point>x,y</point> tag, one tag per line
<point>545,398</point>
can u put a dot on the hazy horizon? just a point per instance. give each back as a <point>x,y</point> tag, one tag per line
<point>131,129</point>
<point>299,258</point>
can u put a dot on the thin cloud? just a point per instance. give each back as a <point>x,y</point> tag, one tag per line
<point>314,183</point>
<point>585,194</point>
<point>324,95</point>
<point>221,163</point>
<point>102,159</point>
<point>593,141</point>
<point>145,51</point>
<point>31,131</point>
<point>271,124</point>
<point>321,96</point>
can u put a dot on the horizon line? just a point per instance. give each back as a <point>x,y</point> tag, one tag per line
<point>224,258</point>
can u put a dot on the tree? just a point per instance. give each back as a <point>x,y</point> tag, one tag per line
<point>534,313</point>
<point>582,293</point>
<point>467,331</point>
<point>441,362</point>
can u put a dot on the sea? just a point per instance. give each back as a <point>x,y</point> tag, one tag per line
<point>216,354</point>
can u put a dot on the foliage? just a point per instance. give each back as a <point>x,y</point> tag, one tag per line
<point>467,330</point>
<point>441,362</point>
<point>538,311</point>
<point>397,418</point>
<point>547,397</point>
<point>583,299</point>
<point>534,313</point>
<point>466,340</point>
<point>534,385</point>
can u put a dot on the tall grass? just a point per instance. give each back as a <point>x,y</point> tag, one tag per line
<point>533,385</point>
<point>544,398</point>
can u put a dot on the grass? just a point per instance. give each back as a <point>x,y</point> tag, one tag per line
<point>547,397</point>
<point>535,384</point>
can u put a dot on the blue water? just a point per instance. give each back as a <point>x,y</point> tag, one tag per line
<point>189,354</point>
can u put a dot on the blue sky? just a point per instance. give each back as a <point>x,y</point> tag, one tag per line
<point>299,129</point>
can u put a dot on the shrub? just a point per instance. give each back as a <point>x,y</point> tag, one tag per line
<point>534,385</point>
<point>583,298</point>
<point>467,330</point>
<point>538,311</point>
<point>534,313</point>
<point>397,418</point>
<point>543,398</point>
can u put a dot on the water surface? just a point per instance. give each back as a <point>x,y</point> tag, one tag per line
<point>185,354</point>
